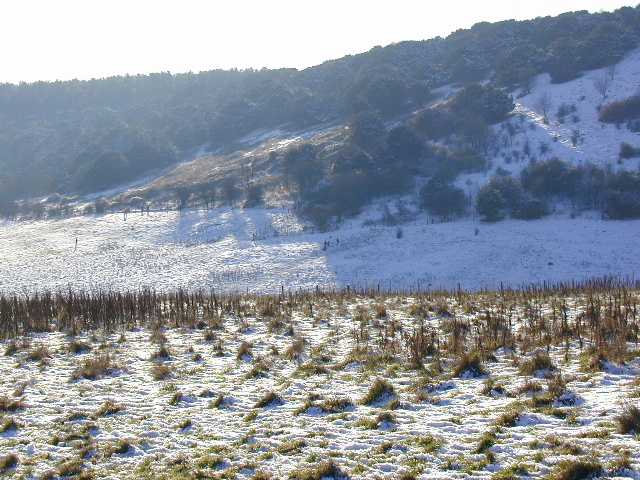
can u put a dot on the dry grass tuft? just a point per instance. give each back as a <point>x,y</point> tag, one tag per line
<point>101,365</point>
<point>381,390</point>
<point>8,462</point>
<point>9,405</point>
<point>629,419</point>
<point>469,366</point>
<point>539,363</point>
<point>270,399</point>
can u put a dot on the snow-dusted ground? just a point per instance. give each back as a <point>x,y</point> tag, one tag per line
<point>263,250</point>
<point>203,417</point>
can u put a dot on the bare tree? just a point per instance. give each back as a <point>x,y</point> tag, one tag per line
<point>543,103</point>
<point>612,70</point>
<point>602,83</point>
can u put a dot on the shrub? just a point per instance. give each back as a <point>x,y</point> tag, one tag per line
<point>254,196</point>
<point>621,206</point>
<point>489,103</point>
<point>621,110</point>
<point>550,177</point>
<point>442,198</point>
<point>489,203</point>
<point>531,209</point>
<point>628,151</point>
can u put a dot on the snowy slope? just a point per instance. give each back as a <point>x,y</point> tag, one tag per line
<point>215,249</point>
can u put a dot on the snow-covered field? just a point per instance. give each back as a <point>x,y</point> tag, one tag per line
<point>263,250</point>
<point>194,410</point>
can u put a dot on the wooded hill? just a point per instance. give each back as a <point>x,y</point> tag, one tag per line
<point>83,136</point>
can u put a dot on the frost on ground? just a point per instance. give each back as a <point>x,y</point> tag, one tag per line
<point>333,385</point>
<point>263,250</point>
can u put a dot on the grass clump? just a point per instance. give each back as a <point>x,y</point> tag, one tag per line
<point>108,408</point>
<point>291,447</point>
<point>379,391</point>
<point>160,371</point>
<point>9,405</point>
<point>336,404</point>
<point>270,399</point>
<point>71,468</point>
<point>428,443</point>
<point>629,419</point>
<point>576,470</point>
<point>219,402</point>
<point>101,365</point>
<point>38,354</point>
<point>508,419</point>
<point>163,353</point>
<point>326,469</point>
<point>529,386</point>
<point>245,351</point>
<point>295,350</point>
<point>511,472</point>
<point>76,346</point>
<point>469,366</point>
<point>259,370</point>
<point>8,462</point>
<point>539,364</point>
<point>488,439</point>
<point>121,447</point>
<point>384,420</point>
<point>185,424</point>
<point>10,425</point>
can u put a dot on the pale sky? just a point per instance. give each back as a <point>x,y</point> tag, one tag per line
<point>66,39</point>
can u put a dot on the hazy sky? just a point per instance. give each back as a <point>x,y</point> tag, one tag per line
<point>65,39</point>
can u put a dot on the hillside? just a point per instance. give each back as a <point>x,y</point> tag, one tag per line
<point>80,137</point>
